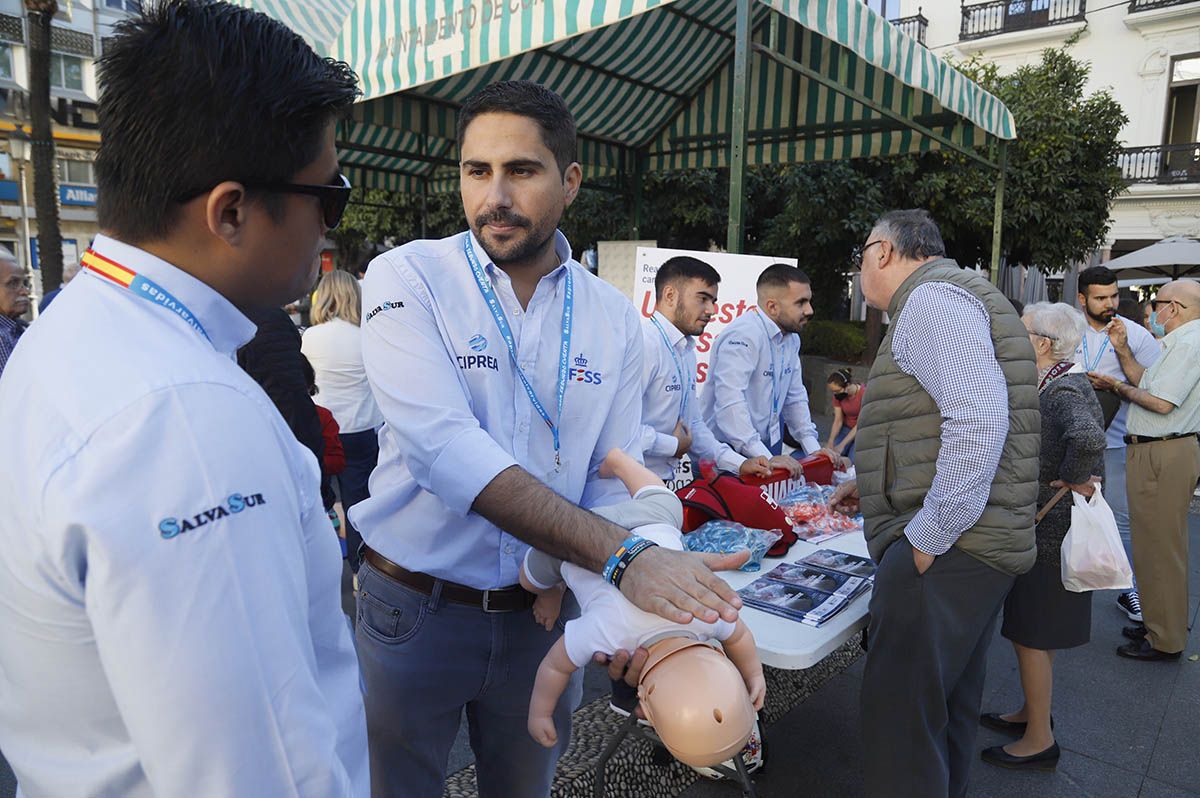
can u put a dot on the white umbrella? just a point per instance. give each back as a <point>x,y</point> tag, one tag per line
<point>1173,258</point>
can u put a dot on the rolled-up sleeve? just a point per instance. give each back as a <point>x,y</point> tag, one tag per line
<point>961,373</point>
<point>419,390</point>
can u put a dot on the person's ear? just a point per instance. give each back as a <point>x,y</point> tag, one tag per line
<point>572,180</point>
<point>226,211</point>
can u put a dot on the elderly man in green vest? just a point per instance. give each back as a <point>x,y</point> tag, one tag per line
<point>947,465</point>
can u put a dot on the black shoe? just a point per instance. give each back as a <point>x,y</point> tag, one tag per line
<point>993,721</point>
<point>1134,632</point>
<point>1144,651</point>
<point>1131,604</point>
<point>1043,760</point>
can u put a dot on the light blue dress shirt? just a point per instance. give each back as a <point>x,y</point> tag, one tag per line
<point>170,585</point>
<point>737,400</point>
<point>456,414</point>
<point>662,402</point>
<point>1099,356</point>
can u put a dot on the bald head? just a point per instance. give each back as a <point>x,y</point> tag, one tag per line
<point>14,293</point>
<point>1177,303</point>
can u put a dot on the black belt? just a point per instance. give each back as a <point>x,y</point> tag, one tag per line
<point>1147,439</point>
<point>505,599</point>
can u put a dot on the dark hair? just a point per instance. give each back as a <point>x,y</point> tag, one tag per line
<point>1018,306</point>
<point>683,267</point>
<point>1130,308</point>
<point>841,378</point>
<point>913,233</point>
<point>1096,275</point>
<point>529,99</point>
<point>194,92</point>
<point>779,275</point>
<point>310,376</point>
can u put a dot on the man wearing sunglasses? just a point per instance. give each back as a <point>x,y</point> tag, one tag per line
<point>1162,465</point>
<point>169,582</point>
<point>14,303</point>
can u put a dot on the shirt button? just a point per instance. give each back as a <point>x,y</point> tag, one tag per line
<point>517,312</point>
<point>508,549</point>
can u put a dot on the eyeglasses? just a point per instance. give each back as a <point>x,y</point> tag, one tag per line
<point>1042,335</point>
<point>17,283</point>
<point>856,257</point>
<point>1154,303</point>
<point>333,197</point>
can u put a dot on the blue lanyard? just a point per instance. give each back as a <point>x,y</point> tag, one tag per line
<point>1087,363</point>
<point>493,303</point>
<point>684,385</point>
<point>140,286</point>
<point>774,368</point>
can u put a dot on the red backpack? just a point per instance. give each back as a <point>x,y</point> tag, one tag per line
<point>725,497</point>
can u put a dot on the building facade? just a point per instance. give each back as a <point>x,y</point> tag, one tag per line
<point>77,39</point>
<point>1147,52</point>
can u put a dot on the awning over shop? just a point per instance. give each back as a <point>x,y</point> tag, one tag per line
<point>654,84</point>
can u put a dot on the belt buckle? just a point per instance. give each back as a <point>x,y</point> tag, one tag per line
<point>487,605</point>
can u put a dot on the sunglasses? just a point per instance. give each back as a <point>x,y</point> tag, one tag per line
<point>333,197</point>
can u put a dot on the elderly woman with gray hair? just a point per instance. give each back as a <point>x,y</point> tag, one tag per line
<point>1040,615</point>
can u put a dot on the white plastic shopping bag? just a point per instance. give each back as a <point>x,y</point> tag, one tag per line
<point>1092,555</point>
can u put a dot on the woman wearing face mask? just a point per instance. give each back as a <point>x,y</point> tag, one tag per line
<point>847,402</point>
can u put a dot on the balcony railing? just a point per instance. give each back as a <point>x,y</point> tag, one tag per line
<point>914,26</point>
<point>1146,5</point>
<point>1006,16</point>
<point>1170,163</point>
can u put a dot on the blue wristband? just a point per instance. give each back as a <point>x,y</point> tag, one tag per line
<point>614,569</point>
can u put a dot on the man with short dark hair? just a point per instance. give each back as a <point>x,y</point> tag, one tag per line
<point>1117,347</point>
<point>947,463</point>
<point>754,372</point>
<point>170,614</point>
<point>685,291</point>
<point>14,303</point>
<point>505,373</point>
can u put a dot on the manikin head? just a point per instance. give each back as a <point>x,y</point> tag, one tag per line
<point>696,700</point>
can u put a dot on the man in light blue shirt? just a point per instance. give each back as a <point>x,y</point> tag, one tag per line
<point>1115,347</point>
<point>170,603</point>
<point>754,372</point>
<point>505,372</point>
<point>672,423</point>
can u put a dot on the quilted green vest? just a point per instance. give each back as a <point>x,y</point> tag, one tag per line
<point>899,436</point>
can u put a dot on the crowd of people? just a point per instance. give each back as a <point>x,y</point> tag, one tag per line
<point>170,611</point>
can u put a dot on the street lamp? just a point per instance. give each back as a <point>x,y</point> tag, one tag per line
<point>21,148</point>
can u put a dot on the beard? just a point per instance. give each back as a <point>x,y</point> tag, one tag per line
<point>1104,317</point>
<point>794,327</point>
<point>530,240</point>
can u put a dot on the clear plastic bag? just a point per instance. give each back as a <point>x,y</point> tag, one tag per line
<point>725,537</point>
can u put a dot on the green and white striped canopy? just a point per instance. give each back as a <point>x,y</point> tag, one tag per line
<point>646,79</point>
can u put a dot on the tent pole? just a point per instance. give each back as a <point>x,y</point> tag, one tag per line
<point>639,180</point>
<point>737,138</point>
<point>424,206</point>
<point>998,221</point>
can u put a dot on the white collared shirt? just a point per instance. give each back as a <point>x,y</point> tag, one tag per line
<point>170,609</point>
<point>662,402</point>
<point>737,400</point>
<point>456,413</point>
<point>1095,353</point>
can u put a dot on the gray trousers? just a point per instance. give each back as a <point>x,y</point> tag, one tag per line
<point>923,680</point>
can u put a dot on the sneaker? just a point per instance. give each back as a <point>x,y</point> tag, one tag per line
<point>1131,604</point>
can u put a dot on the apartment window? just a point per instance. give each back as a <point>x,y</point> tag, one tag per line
<point>66,71</point>
<point>6,62</point>
<point>77,172</point>
<point>884,8</point>
<point>6,170</point>
<point>132,6</point>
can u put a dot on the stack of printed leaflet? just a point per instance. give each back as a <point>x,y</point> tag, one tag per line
<point>812,590</point>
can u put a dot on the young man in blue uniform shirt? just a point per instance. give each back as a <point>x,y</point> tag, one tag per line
<point>505,372</point>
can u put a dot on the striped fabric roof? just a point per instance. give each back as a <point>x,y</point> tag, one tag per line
<point>318,21</point>
<point>648,78</point>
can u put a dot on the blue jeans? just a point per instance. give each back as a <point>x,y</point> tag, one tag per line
<point>841,436</point>
<point>1115,494</point>
<point>424,660</point>
<point>362,453</point>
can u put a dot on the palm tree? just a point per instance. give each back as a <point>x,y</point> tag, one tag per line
<point>45,175</point>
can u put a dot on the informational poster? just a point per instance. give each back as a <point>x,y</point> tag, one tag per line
<point>735,295</point>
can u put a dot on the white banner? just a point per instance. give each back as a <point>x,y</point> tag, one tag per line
<point>735,295</point>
